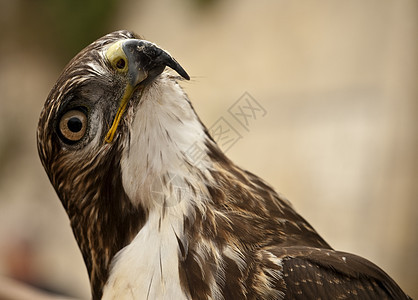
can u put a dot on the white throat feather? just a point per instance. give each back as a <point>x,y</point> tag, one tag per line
<point>160,173</point>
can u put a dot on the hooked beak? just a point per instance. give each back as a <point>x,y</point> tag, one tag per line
<point>141,61</point>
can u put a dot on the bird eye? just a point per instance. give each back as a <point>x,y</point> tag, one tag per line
<point>73,125</point>
<point>120,64</point>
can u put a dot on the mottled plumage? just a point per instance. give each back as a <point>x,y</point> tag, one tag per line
<point>151,222</point>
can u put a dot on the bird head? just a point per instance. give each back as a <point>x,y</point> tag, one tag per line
<point>88,117</point>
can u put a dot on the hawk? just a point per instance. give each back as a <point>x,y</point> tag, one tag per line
<point>151,222</point>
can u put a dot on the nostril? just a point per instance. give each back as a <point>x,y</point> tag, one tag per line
<point>120,64</point>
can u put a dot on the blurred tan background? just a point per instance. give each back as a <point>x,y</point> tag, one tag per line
<point>338,80</point>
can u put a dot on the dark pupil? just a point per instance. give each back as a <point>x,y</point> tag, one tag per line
<point>120,64</point>
<point>75,124</point>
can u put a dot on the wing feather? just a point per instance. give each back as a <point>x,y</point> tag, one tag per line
<point>314,273</point>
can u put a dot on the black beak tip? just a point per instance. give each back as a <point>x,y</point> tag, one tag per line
<point>172,63</point>
<point>184,74</point>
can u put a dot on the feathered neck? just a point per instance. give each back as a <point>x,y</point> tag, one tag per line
<point>161,174</point>
<point>160,154</point>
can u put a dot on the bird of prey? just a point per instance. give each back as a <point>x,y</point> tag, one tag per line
<point>151,222</point>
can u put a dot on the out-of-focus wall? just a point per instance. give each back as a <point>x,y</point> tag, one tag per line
<point>338,82</point>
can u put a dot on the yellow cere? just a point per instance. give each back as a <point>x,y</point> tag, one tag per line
<point>119,61</point>
<point>117,57</point>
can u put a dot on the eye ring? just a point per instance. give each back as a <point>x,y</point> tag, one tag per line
<point>73,125</point>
